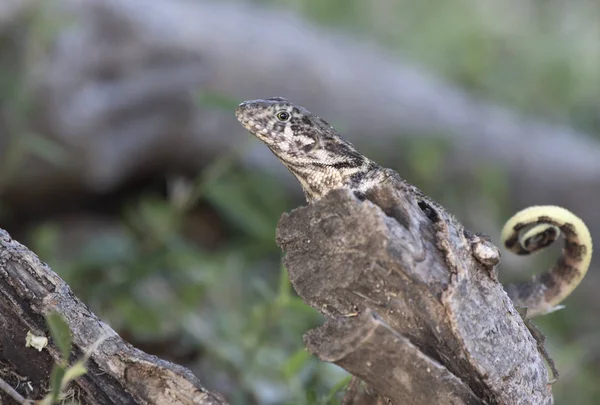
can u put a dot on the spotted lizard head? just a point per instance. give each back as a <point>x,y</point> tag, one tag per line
<point>307,145</point>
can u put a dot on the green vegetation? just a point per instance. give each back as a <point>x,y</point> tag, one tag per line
<point>232,304</point>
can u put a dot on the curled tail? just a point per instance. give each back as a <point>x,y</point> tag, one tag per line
<point>533,229</point>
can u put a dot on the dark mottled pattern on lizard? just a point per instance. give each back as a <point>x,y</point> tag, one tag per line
<point>323,161</point>
<point>309,147</point>
<point>313,150</point>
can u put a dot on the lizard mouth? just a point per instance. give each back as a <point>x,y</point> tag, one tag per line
<point>254,127</point>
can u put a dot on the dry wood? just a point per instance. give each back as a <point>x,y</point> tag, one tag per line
<point>118,372</point>
<point>409,310</point>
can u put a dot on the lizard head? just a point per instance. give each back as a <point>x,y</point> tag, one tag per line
<point>287,129</point>
<point>306,144</point>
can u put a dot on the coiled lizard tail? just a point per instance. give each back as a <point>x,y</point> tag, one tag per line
<point>533,229</point>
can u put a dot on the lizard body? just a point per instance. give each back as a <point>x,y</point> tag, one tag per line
<point>323,161</point>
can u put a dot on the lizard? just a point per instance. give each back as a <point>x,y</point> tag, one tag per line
<point>322,161</point>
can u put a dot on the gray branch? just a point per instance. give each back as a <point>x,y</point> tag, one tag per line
<point>118,373</point>
<point>409,310</point>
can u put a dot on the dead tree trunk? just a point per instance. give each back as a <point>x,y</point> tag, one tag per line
<point>409,310</point>
<point>118,373</point>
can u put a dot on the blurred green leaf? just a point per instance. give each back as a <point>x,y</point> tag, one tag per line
<point>56,378</point>
<point>285,287</point>
<point>250,202</point>
<point>295,363</point>
<point>337,388</point>
<point>75,371</point>
<point>60,332</point>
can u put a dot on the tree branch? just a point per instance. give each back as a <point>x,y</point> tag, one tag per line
<point>409,309</point>
<point>118,373</point>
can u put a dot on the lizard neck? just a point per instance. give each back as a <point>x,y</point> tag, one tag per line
<point>317,182</point>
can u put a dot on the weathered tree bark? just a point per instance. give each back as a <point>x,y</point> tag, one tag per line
<point>409,309</point>
<point>118,372</point>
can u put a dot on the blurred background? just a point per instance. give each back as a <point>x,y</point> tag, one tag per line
<point>123,167</point>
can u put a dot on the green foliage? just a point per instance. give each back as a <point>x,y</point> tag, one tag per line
<point>234,302</point>
<point>336,390</point>
<point>61,335</point>
<point>249,207</point>
<point>62,374</point>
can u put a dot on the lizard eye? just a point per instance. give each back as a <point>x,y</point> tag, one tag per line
<point>283,116</point>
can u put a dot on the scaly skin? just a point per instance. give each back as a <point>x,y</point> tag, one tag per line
<point>530,231</point>
<point>323,161</point>
<point>309,147</point>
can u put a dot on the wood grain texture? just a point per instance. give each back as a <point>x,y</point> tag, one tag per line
<point>408,309</point>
